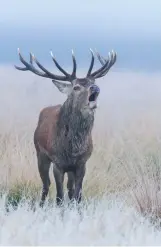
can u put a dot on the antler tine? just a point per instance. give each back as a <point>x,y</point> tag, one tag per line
<point>17,67</point>
<point>74,66</point>
<point>58,65</point>
<point>100,58</point>
<point>31,58</point>
<point>91,65</point>
<point>105,71</point>
<point>49,74</point>
<point>107,64</point>
<point>28,66</point>
<point>112,60</point>
<point>94,74</point>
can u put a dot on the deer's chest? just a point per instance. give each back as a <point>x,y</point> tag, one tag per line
<point>69,157</point>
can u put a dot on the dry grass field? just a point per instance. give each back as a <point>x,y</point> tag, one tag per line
<point>122,193</point>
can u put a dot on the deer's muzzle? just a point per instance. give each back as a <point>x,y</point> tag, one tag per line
<point>94,92</point>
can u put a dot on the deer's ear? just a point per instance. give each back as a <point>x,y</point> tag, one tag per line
<point>63,87</point>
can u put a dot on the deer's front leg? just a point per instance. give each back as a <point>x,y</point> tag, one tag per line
<point>59,179</point>
<point>79,175</point>
<point>71,184</point>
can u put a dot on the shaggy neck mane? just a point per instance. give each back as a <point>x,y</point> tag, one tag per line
<point>74,128</point>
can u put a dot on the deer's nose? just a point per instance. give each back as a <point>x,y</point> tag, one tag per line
<point>95,89</point>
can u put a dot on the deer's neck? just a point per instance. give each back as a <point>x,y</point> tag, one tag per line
<point>74,128</point>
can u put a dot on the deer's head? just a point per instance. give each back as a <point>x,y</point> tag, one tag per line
<point>82,93</point>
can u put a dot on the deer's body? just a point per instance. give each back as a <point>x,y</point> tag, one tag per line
<point>64,132</point>
<point>65,137</point>
<point>44,133</point>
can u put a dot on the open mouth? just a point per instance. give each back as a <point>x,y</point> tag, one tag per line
<point>93,100</point>
<point>93,97</point>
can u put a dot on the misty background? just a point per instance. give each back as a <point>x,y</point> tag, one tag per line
<point>131,28</point>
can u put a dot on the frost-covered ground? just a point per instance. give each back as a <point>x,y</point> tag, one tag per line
<point>105,222</point>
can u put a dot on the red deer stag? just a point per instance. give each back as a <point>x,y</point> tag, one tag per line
<point>63,134</point>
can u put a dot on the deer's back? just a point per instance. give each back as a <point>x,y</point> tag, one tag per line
<point>46,127</point>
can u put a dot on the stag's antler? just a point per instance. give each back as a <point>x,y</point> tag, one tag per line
<point>110,61</point>
<point>30,67</point>
<point>106,65</point>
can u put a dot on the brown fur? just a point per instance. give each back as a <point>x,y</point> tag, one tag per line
<point>45,129</point>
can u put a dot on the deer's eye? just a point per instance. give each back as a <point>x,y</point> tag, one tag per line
<point>76,88</point>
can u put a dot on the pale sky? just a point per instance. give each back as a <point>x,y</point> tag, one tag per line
<point>132,27</point>
<point>135,16</point>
